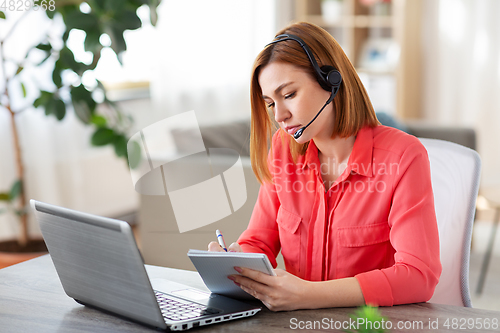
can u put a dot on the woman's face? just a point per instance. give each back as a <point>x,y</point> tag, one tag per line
<point>295,98</point>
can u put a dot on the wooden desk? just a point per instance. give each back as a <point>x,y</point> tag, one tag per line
<point>32,300</point>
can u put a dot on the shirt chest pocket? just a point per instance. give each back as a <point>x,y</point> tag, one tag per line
<point>363,248</point>
<point>290,232</point>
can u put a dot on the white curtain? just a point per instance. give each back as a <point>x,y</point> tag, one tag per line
<point>201,54</point>
<point>205,52</point>
<point>461,44</point>
<point>60,165</point>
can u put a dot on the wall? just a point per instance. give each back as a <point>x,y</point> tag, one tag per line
<point>461,78</point>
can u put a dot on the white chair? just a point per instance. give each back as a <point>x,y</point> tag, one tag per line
<point>455,174</point>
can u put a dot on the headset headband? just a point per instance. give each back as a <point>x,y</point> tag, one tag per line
<point>306,48</point>
<point>324,75</point>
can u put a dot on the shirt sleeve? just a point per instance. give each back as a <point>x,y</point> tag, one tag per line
<point>262,234</point>
<point>414,236</point>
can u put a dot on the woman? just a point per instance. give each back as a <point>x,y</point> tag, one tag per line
<point>349,202</point>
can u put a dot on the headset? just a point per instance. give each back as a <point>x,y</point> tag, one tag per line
<point>328,77</point>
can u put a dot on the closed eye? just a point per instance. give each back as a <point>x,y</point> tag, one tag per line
<point>291,95</point>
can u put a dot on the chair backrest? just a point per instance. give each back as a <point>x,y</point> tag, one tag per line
<point>455,172</point>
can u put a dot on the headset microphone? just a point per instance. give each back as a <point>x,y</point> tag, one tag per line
<point>328,77</point>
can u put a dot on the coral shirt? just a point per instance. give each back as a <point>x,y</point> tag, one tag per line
<point>376,222</point>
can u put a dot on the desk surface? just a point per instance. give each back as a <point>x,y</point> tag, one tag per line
<point>32,300</point>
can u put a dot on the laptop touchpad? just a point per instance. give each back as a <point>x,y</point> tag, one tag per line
<point>192,294</point>
<point>179,290</point>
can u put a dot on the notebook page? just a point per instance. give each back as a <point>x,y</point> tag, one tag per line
<point>214,268</point>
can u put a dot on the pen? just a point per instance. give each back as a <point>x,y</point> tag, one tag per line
<point>220,239</point>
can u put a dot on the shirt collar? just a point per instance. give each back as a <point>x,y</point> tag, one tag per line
<point>310,158</point>
<point>360,161</point>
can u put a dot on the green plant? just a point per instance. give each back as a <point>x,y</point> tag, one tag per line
<point>95,18</point>
<point>369,320</point>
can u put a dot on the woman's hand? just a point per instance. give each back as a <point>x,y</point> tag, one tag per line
<point>215,247</point>
<point>283,292</point>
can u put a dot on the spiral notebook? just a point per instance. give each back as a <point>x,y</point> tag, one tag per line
<point>214,268</point>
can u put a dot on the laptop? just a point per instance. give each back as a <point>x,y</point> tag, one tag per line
<point>100,266</point>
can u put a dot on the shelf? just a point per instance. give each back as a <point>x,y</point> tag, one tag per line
<point>366,21</point>
<point>356,27</point>
<point>358,21</point>
<point>375,71</point>
<point>123,91</point>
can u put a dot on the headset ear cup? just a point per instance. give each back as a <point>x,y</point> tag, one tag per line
<point>332,76</point>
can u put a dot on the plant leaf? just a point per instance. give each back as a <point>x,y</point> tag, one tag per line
<point>114,5</point>
<point>4,196</point>
<point>92,40</point>
<point>50,13</point>
<point>19,69</point>
<point>120,144</point>
<point>103,136</point>
<point>44,99</point>
<point>50,106</point>
<point>82,111</point>
<point>66,35</point>
<point>2,15</point>
<point>134,154</point>
<point>56,76</point>
<point>118,43</point>
<point>127,20</point>
<point>67,60</point>
<point>59,109</point>
<point>23,88</point>
<point>15,190</point>
<point>80,94</point>
<point>369,314</point>
<point>99,121</point>
<point>100,4</point>
<point>44,47</point>
<point>78,20</point>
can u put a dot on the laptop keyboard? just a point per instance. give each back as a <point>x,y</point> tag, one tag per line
<point>176,309</point>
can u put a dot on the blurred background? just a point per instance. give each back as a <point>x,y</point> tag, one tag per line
<point>430,66</point>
